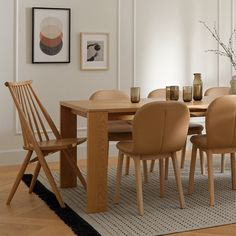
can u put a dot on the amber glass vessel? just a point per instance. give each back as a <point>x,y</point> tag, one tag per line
<point>197,87</point>
<point>135,94</point>
<point>174,93</point>
<point>167,93</point>
<point>187,93</point>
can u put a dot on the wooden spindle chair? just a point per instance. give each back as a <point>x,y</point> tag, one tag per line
<point>35,122</point>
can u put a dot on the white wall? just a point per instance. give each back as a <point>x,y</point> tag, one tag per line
<point>53,82</point>
<point>171,43</point>
<point>153,43</point>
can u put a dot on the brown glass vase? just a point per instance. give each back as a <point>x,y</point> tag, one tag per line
<point>197,87</point>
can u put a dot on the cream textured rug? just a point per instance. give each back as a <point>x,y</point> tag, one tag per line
<point>162,215</point>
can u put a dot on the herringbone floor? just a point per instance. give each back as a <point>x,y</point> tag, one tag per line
<point>28,215</point>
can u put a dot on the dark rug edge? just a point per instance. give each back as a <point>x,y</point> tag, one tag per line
<point>77,224</point>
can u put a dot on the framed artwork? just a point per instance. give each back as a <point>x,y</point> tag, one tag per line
<point>50,35</point>
<point>94,51</point>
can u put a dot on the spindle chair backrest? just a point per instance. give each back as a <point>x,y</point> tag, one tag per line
<point>34,118</point>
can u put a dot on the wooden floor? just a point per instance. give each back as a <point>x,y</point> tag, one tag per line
<point>28,215</point>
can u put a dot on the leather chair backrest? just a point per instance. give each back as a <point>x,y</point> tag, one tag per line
<point>102,95</point>
<point>221,122</point>
<point>108,94</point>
<point>157,93</point>
<point>160,127</point>
<point>218,91</point>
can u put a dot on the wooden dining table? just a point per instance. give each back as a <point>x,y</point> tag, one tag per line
<point>98,113</point>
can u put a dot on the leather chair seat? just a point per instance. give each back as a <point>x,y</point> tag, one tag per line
<point>126,147</point>
<point>119,126</point>
<point>195,128</point>
<point>199,140</point>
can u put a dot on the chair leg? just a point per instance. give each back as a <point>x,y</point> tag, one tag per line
<point>145,171</point>
<point>202,162</point>
<point>233,170</point>
<point>162,177</point>
<point>19,176</point>
<point>183,153</point>
<point>166,167</point>
<point>210,178</point>
<point>178,180</point>
<point>50,178</point>
<point>118,177</point>
<point>127,164</point>
<point>222,166</point>
<point>139,190</point>
<point>152,165</point>
<point>75,168</point>
<point>35,176</point>
<point>192,169</point>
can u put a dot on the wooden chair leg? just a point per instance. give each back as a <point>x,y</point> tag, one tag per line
<point>19,176</point>
<point>145,171</point>
<point>118,177</point>
<point>139,185</point>
<point>152,165</point>
<point>178,180</point>
<point>35,176</point>
<point>75,168</point>
<point>202,162</point>
<point>233,170</point>
<point>183,153</point>
<point>162,177</point>
<point>222,166</point>
<point>166,167</point>
<point>210,178</point>
<point>50,178</point>
<point>192,169</point>
<point>127,164</point>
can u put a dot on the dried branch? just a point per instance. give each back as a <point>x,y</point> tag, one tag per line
<point>228,49</point>
<point>217,52</point>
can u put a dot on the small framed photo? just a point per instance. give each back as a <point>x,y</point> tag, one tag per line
<point>94,51</point>
<point>50,35</point>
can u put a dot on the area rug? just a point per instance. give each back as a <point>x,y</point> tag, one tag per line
<point>162,215</point>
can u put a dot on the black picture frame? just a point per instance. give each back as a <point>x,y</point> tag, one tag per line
<point>51,35</point>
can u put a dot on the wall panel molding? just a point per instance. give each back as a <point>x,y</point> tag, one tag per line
<point>218,46</point>
<point>134,11</point>
<point>118,45</point>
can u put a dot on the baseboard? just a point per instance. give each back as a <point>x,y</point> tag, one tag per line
<point>16,156</point>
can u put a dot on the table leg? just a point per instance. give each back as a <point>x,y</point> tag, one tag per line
<point>68,130</point>
<point>97,161</point>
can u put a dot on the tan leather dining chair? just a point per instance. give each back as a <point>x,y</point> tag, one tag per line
<point>220,138</point>
<point>35,121</point>
<point>193,129</point>
<point>159,131</point>
<point>117,129</point>
<point>121,129</point>
<point>218,91</point>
